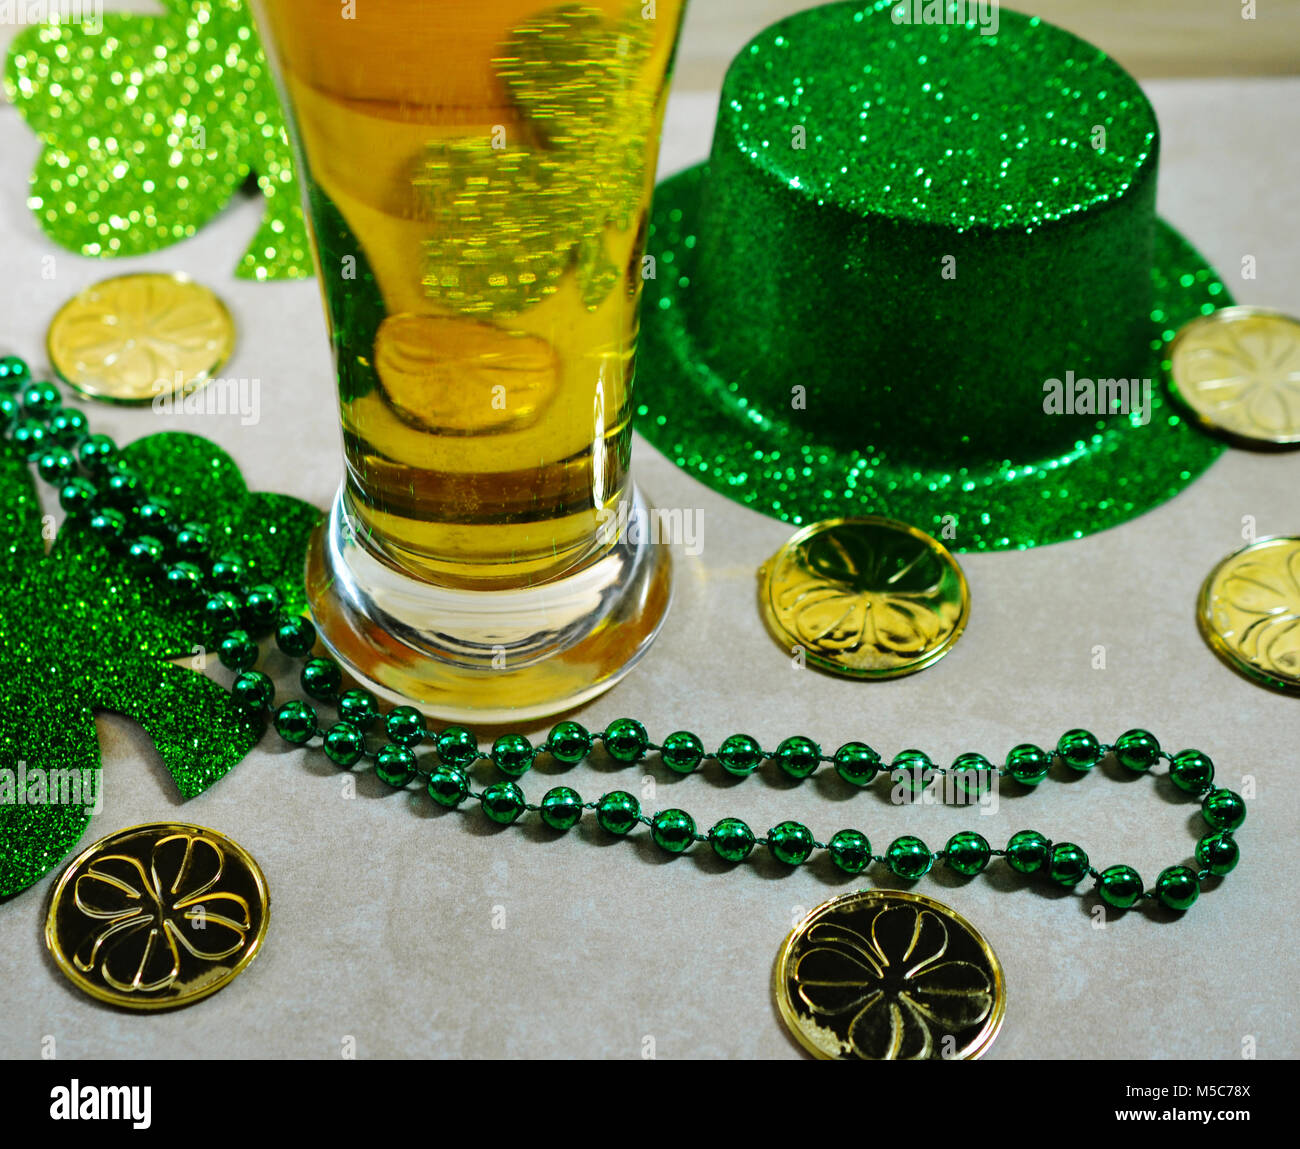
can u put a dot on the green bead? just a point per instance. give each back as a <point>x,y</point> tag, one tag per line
<point>405,726</point>
<point>357,706</point>
<point>912,770</point>
<point>617,812</point>
<point>296,636</point>
<point>1120,887</point>
<point>456,746</point>
<point>1223,810</point>
<point>626,740</point>
<point>1027,851</point>
<point>14,372</point>
<point>344,744</point>
<point>1079,750</point>
<point>108,525</point>
<point>125,490</point>
<point>395,766</point>
<point>682,751</point>
<point>447,786</point>
<point>673,830</point>
<point>798,756</point>
<point>321,679</point>
<point>68,426</point>
<point>76,495</point>
<point>857,763</point>
<point>9,412</point>
<point>229,571</point>
<point>1177,888</point>
<point>740,755</point>
<point>40,400</point>
<point>972,775</point>
<point>122,489</point>
<point>155,517</point>
<point>967,853</point>
<point>850,851</point>
<point>909,858</point>
<point>184,578</point>
<point>96,451</point>
<point>569,743</point>
<point>1137,750</point>
<point>1068,865</point>
<point>1191,771</point>
<point>731,840</point>
<point>561,808</point>
<point>30,438</point>
<point>790,842</point>
<point>56,465</point>
<point>221,612</point>
<point>503,802</point>
<point>1218,853</point>
<point>261,608</point>
<point>146,552</point>
<point>512,754</point>
<point>237,651</point>
<point>253,689</point>
<point>295,722</point>
<point>193,539</point>
<point>1028,764</point>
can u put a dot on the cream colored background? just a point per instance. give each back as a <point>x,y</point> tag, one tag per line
<point>1150,37</point>
<point>382,923</point>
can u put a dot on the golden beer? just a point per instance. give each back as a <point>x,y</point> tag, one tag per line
<point>478,175</point>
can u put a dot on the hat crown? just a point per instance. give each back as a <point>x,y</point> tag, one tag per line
<point>923,225</point>
<point>943,124</point>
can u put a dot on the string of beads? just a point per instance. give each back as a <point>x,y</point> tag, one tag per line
<point>94,483</point>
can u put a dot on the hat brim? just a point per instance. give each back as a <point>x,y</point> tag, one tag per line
<point>691,411</point>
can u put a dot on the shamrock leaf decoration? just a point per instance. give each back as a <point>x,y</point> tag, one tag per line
<point>80,631</point>
<point>151,124</point>
<point>883,592</point>
<point>900,997</point>
<point>148,916</point>
<point>512,217</point>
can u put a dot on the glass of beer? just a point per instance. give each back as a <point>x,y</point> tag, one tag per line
<point>477,176</point>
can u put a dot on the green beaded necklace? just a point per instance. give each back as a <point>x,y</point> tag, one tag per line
<point>240,615</point>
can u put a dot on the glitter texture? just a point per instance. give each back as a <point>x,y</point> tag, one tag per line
<point>543,208</point>
<point>902,234</point>
<point>151,124</point>
<point>80,631</point>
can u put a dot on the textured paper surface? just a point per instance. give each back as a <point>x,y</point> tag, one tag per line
<point>384,910</point>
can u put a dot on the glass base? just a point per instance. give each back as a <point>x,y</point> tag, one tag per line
<point>487,656</point>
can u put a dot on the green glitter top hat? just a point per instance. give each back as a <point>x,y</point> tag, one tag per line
<point>921,275</point>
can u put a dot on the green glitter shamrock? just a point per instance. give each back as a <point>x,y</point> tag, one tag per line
<point>80,631</point>
<point>513,217</point>
<point>151,124</point>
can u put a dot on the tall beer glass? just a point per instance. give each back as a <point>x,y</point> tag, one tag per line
<point>477,175</point>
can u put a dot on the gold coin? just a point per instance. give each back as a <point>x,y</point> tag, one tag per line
<point>865,598</point>
<point>446,375</point>
<point>158,916</point>
<point>882,975</point>
<point>1238,369</point>
<point>1249,612</point>
<point>137,337</point>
